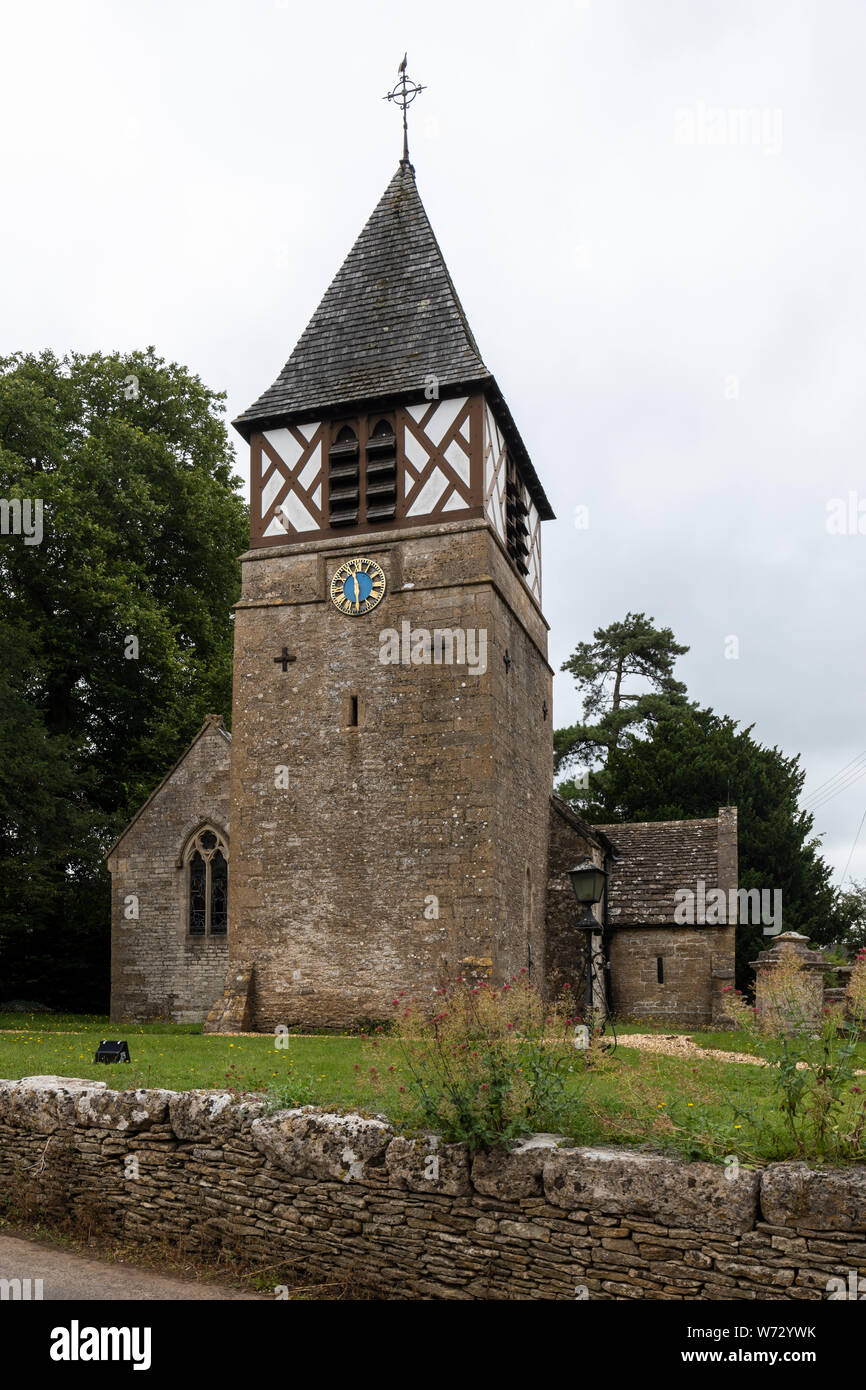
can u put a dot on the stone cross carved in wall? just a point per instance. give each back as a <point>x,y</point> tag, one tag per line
<point>285,659</point>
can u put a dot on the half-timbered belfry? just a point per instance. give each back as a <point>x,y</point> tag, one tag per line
<point>385,417</point>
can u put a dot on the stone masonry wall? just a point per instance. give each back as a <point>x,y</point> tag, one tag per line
<point>569,844</point>
<point>689,992</point>
<point>697,962</point>
<point>157,969</point>
<point>341,1196</point>
<point>414,844</point>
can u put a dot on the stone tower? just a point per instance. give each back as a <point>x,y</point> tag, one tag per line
<point>392,738</point>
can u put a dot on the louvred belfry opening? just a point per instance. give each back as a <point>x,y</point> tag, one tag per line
<point>344,479</point>
<point>517,519</point>
<point>381,489</point>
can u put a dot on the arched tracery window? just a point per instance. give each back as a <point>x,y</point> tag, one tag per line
<point>207,870</point>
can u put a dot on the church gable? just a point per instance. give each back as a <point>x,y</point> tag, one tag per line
<point>169,890</point>
<point>198,778</point>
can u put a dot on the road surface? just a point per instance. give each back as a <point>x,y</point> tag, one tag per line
<point>66,1275</point>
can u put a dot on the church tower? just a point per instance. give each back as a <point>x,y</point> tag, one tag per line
<point>391,760</point>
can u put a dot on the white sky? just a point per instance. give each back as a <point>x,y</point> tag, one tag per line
<point>678,327</point>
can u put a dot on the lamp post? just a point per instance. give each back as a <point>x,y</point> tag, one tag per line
<point>587,884</point>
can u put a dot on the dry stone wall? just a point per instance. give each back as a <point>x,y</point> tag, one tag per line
<point>344,1197</point>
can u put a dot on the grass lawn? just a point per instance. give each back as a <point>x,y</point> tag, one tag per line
<point>180,1058</point>
<point>699,1107</point>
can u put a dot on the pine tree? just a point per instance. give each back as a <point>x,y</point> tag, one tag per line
<point>661,757</point>
<point>633,649</point>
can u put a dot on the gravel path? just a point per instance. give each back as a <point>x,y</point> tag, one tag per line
<point>680,1045</point>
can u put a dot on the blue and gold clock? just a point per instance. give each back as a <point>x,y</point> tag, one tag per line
<point>357,586</point>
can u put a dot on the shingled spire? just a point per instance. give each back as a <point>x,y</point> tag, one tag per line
<point>390,321</point>
<point>389,329</point>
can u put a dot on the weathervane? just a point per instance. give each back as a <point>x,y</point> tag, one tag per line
<point>403,94</point>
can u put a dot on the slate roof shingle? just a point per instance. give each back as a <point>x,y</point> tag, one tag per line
<point>389,319</point>
<point>658,857</point>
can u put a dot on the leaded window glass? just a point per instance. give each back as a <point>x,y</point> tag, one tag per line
<point>207,871</point>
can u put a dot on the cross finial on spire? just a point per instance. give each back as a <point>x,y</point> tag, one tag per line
<point>404,93</point>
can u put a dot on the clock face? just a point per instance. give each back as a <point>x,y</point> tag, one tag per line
<point>357,586</point>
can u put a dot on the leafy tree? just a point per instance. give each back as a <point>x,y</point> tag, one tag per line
<point>850,924</point>
<point>116,634</point>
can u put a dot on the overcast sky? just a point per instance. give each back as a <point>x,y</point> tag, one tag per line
<point>653,213</point>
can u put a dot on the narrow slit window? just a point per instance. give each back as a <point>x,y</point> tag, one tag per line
<point>660,970</point>
<point>197,896</point>
<point>353,712</point>
<point>219,894</point>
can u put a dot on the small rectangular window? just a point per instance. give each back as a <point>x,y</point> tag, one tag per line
<point>351,711</point>
<point>660,970</point>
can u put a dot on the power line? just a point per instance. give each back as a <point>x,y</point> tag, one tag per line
<point>853,847</point>
<point>835,775</point>
<point>848,774</point>
<point>818,805</point>
<point>828,796</point>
